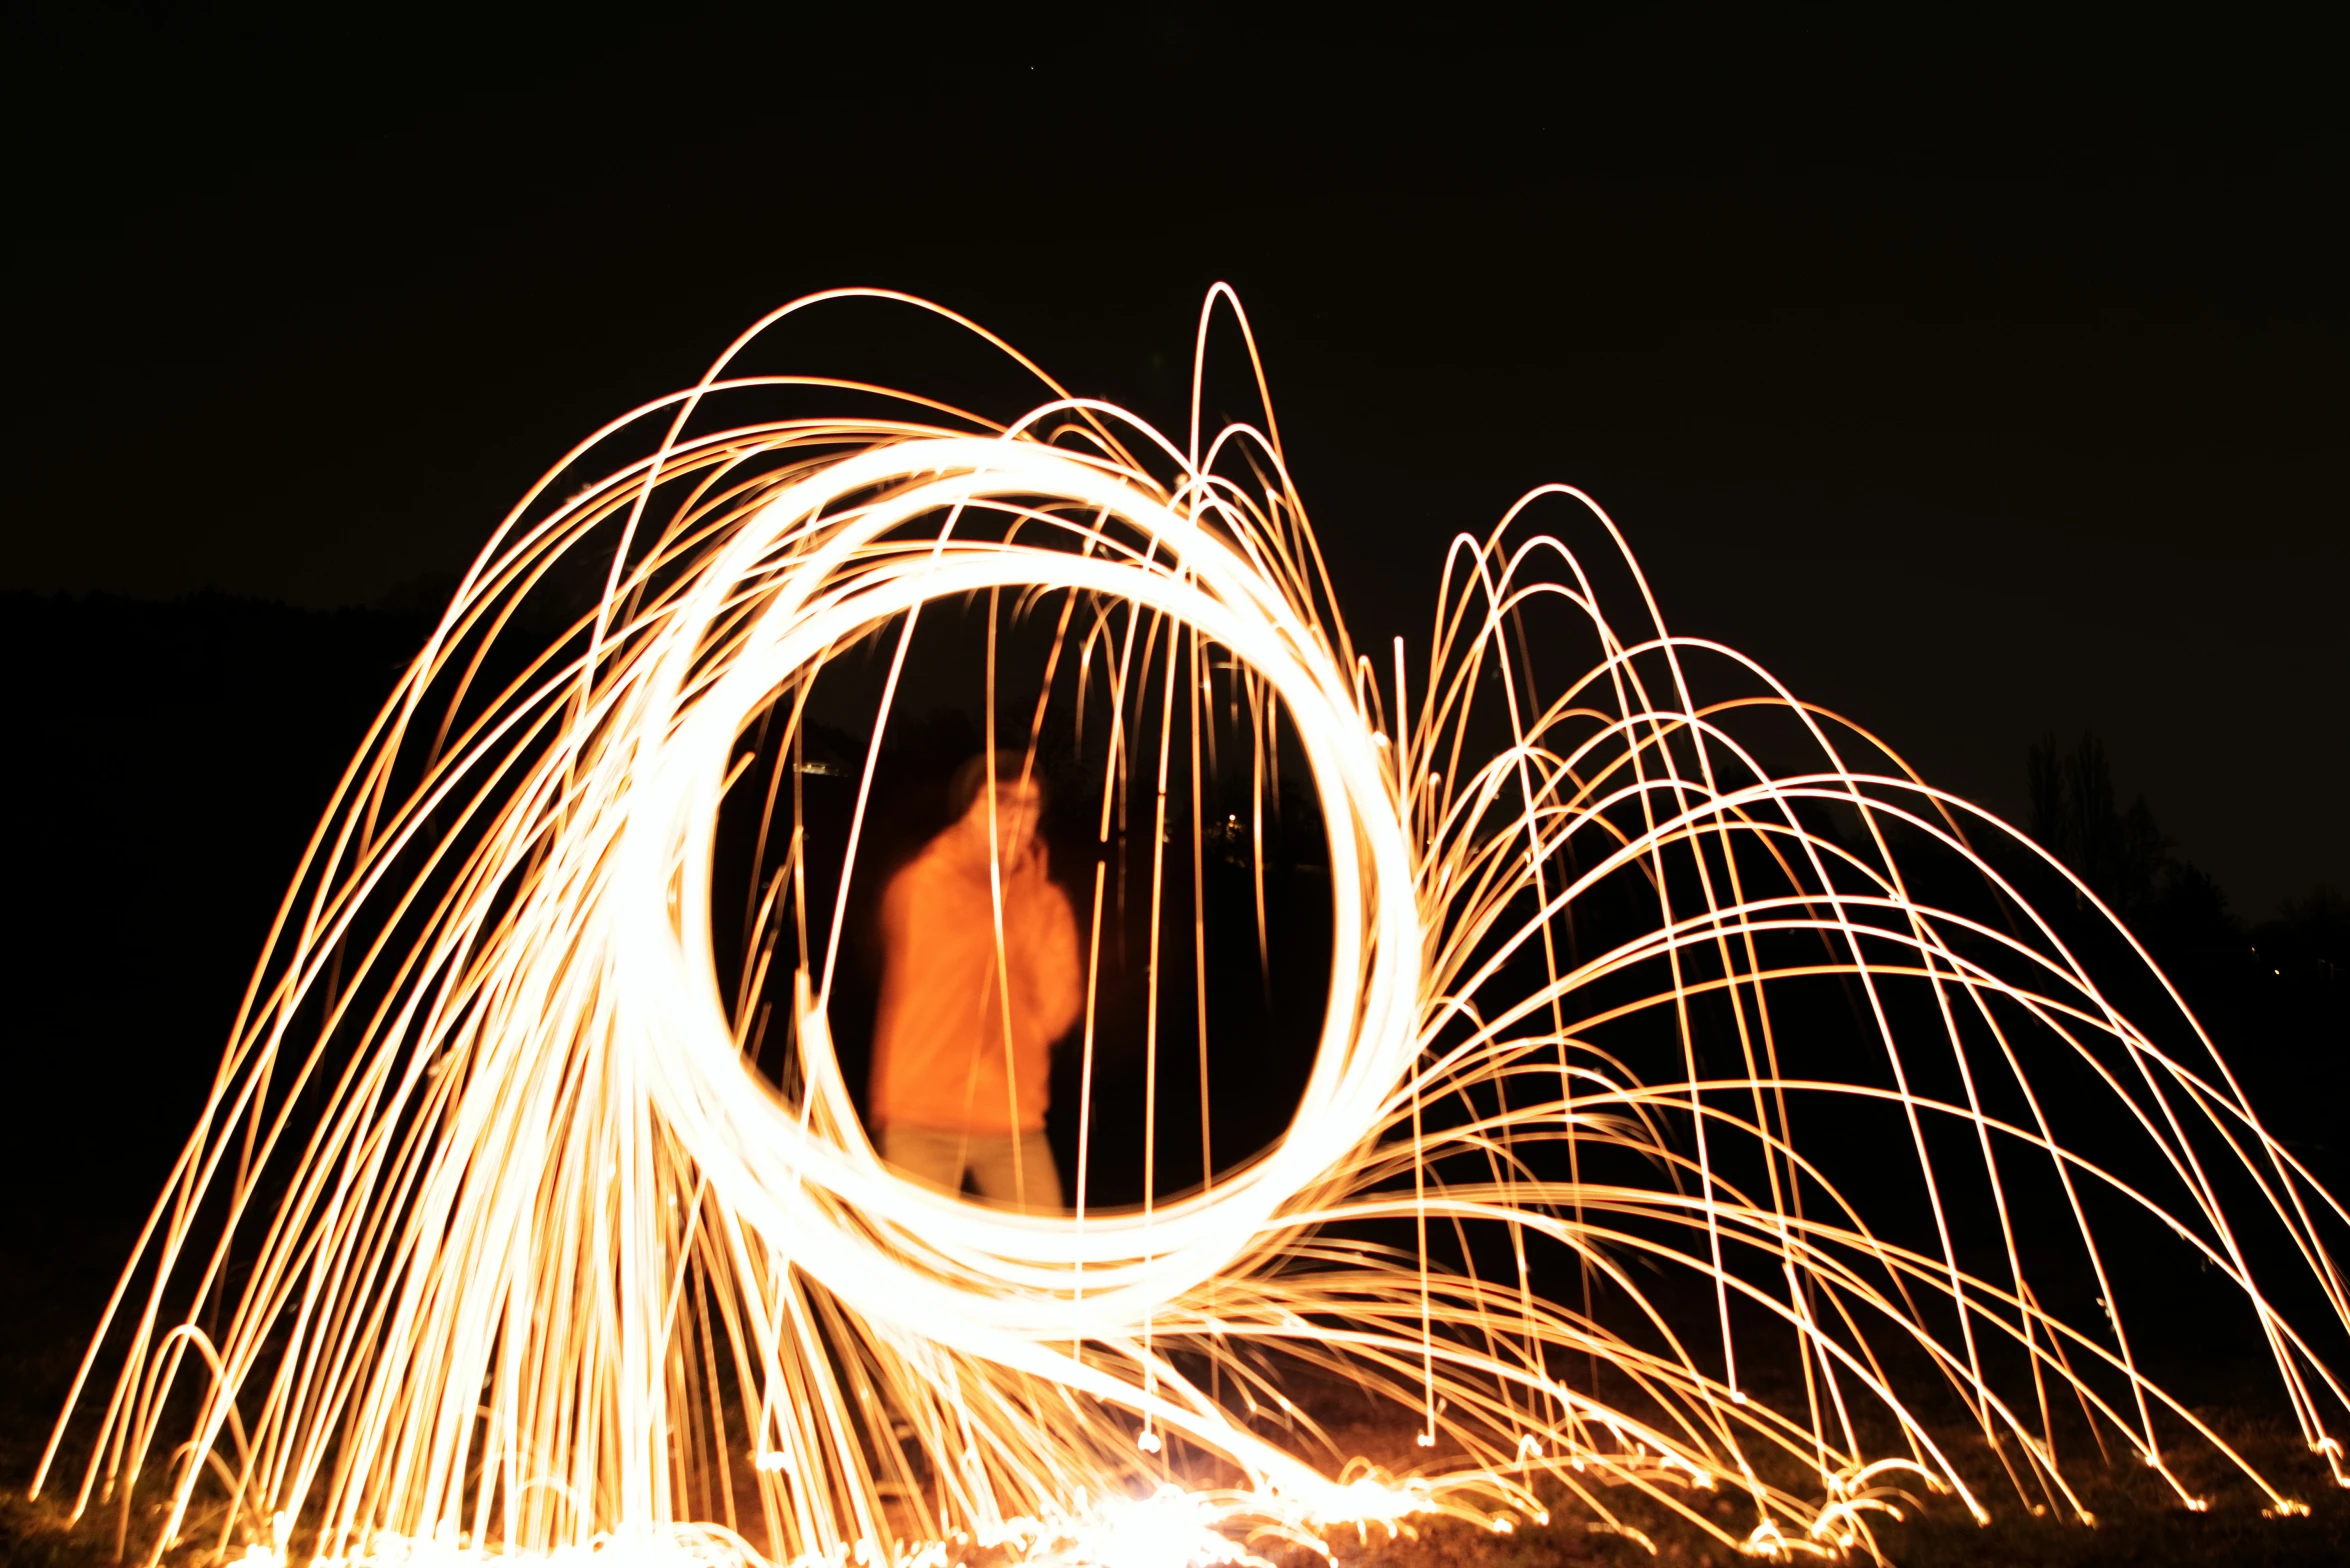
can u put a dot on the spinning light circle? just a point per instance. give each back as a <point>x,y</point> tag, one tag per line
<point>996,1274</point>
<point>493,1242</point>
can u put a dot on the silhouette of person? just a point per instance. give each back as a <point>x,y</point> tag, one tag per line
<point>979,978</point>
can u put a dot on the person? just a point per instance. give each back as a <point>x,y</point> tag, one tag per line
<point>962,1061</point>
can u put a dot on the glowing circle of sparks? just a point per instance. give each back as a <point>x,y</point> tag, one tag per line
<point>1004,1277</point>
<point>519,1258</point>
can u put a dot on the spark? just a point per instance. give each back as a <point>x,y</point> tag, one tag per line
<point>491,1244</point>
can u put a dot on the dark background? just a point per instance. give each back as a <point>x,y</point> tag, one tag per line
<point>1981,373</point>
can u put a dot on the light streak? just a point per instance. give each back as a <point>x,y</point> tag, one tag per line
<point>488,1244</point>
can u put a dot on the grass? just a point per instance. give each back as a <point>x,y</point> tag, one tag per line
<point>2138,1522</point>
<point>53,1293</point>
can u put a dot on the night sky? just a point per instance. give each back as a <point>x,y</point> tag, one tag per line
<point>1982,380</point>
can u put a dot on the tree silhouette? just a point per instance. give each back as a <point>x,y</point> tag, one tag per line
<point>2120,854</point>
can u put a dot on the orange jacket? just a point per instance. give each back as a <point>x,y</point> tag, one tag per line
<point>938,1037</point>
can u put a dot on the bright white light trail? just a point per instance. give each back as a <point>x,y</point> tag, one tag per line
<point>489,1242</point>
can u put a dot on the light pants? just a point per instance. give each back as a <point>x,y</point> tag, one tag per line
<point>1000,1166</point>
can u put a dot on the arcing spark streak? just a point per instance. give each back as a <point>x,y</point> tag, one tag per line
<point>489,1242</point>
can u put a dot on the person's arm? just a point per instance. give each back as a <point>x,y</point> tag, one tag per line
<point>1056,984</point>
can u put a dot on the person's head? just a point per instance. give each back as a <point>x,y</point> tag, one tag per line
<point>1019,803</point>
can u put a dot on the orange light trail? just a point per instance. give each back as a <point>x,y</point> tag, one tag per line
<point>489,1244</point>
